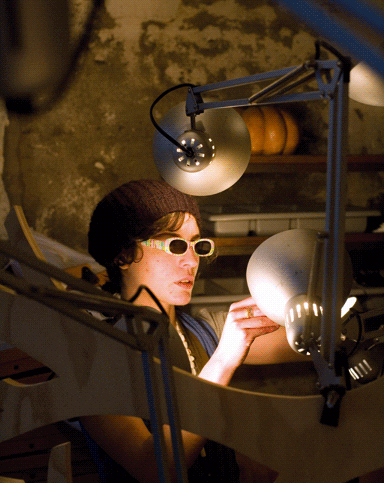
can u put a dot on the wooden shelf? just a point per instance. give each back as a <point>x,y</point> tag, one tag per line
<point>247,244</point>
<point>309,163</point>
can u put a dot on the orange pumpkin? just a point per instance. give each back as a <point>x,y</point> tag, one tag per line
<point>272,130</point>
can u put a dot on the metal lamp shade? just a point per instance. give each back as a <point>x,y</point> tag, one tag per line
<point>366,86</point>
<point>279,270</point>
<point>229,137</point>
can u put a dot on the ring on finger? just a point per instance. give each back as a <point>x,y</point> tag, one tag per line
<point>249,312</point>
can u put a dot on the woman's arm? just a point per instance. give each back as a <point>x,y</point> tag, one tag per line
<point>244,323</point>
<point>273,348</point>
<point>127,440</point>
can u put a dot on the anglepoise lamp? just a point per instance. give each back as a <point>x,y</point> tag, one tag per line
<point>309,274</point>
<point>202,147</point>
<point>198,126</point>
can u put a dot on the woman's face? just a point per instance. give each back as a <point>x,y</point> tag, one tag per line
<point>170,277</point>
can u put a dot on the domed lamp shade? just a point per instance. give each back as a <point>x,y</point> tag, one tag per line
<point>219,144</point>
<point>366,86</point>
<point>285,287</point>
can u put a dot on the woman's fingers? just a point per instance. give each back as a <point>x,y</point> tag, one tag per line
<point>243,303</point>
<point>252,314</point>
<point>246,308</point>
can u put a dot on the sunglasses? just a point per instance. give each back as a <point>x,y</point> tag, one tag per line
<point>203,247</point>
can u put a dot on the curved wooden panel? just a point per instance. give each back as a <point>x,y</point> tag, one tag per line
<point>98,375</point>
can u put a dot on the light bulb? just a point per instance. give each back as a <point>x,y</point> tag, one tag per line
<point>219,150</point>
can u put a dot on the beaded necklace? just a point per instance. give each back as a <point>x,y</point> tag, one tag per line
<point>191,358</point>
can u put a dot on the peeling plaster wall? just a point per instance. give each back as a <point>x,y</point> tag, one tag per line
<point>99,134</point>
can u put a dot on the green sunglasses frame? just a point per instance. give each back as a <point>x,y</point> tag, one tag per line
<point>164,245</point>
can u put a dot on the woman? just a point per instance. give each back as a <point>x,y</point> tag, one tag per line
<point>148,233</point>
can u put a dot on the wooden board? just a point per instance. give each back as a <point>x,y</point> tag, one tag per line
<point>21,237</point>
<point>44,248</point>
<point>99,375</point>
<point>27,456</point>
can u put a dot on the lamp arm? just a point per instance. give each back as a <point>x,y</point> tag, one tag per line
<point>276,92</point>
<point>195,104</point>
<point>280,82</point>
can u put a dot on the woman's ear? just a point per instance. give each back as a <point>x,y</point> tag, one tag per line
<point>122,263</point>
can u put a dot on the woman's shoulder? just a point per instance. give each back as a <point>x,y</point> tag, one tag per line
<point>215,319</point>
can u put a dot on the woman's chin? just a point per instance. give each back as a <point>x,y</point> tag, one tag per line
<point>182,299</point>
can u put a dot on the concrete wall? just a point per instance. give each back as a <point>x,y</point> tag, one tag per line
<point>58,164</point>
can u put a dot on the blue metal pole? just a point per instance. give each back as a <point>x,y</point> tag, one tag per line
<point>154,411</point>
<point>333,274</point>
<point>173,414</point>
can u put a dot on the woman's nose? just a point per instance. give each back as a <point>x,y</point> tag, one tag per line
<point>190,257</point>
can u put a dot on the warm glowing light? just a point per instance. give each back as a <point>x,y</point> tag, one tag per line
<point>292,315</point>
<point>315,311</point>
<point>348,305</point>
<point>306,308</point>
<point>353,374</point>
<point>298,310</point>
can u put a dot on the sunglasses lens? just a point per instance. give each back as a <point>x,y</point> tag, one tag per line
<point>178,247</point>
<point>203,247</point>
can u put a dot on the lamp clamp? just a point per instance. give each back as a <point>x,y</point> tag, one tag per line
<point>193,101</point>
<point>333,384</point>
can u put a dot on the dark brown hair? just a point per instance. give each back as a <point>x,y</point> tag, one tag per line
<point>170,222</point>
<point>126,213</point>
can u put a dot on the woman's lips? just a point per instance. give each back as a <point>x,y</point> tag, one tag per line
<point>186,283</point>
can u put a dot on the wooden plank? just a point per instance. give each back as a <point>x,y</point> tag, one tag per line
<point>34,469</point>
<point>11,354</point>
<point>305,162</point>
<point>24,463</point>
<point>13,362</point>
<point>10,480</point>
<point>27,456</point>
<point>41,439</point>
<point>247,244</point>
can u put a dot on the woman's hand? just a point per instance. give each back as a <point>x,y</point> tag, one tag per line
<point>244,323</point>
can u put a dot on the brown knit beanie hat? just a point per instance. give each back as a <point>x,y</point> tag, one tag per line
<point>123,214</point>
